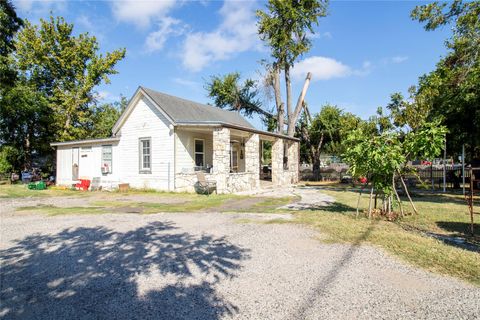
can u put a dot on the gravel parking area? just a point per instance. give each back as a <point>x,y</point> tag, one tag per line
<point>208,266</point>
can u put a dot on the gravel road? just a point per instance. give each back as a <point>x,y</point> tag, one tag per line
<point>208,266</point>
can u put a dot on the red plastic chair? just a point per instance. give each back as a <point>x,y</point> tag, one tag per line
<point>83,185</point>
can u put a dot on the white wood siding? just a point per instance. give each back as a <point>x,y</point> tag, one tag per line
<point>144,121</point>
<point>64,165</point>
<point>185,149</point>
<point>89,166</point>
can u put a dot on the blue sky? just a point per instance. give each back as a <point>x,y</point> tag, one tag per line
<point>362,51</point>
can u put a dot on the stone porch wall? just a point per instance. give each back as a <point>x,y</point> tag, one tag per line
<point>234,182</point>
<point>281,176</point>
<point>252,162</point>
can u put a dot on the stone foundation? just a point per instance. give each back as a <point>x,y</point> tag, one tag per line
<point>234,182</point>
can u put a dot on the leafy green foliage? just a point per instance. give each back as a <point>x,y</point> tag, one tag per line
<point>8,157</point>
<point>285,26</point>
<point>451,93</point>
<point>50,93</point>
<point>9,25</point>
<point>324,133</point>
<point>229,93</point>
<point>66,69</point>
<point>427,142</point>
<point>382,154</point>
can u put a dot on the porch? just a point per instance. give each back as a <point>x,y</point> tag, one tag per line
<point>236,159</point>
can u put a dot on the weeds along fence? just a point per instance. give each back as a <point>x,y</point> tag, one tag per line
<point>332,172</point>
<point>429,177</point>
<point>432,177</point>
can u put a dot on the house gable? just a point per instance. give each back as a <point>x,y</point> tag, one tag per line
<point>137,97</point>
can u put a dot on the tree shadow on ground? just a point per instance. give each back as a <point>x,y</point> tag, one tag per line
<point>460,227</point>
<point>459,236</point>
<point>153,272</point>
<point>336,207</point>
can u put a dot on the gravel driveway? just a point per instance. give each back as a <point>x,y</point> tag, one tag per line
<point>208,266</point>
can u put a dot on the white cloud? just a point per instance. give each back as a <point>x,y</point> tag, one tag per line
<point>236,33</point>
<point>104,95</point>
<point>85,22</point>
<point>324,68</point>
<point>319,35</point>
<point>399,59</point>
<point>196,86</point>
<point>141,13</point>
<point>166,27</point>
<point>40,7</point>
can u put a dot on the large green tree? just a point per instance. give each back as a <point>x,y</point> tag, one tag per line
<point>451,93</point>
<point>104,118</point>
<point>285,28</point>
<point>66,69</point>
<point>9,25</point>
<point>324,133</point>
<point>52,93</point>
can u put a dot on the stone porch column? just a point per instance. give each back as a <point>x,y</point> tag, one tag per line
<point>221,157</point>
<point>277,162</point>
<point>252,159</point>
<point>293,160</point>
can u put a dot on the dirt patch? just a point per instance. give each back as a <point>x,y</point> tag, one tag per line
<point>128,210</point>
<point>236,204</point>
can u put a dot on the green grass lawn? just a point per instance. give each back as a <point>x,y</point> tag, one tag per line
<point>439,214</point>
<point>21,191</point>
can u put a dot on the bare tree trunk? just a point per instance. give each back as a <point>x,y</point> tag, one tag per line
<point>67,125</point>
<point>307,112</point>
<point>288,87</point>
<point>292,118</point>
<point>406,191</point>
<point>375,204</point>
<point>278,100</point>
<point>390,198</point>
<point>398,197</point>
<point>370,205</point>
<point>316,158</point>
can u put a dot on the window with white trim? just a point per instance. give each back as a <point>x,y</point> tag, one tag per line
<point>107,159</point>
<point>199,154</point>
<point>145,155</point>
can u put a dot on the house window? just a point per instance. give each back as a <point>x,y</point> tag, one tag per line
<point>145,155</point>
<point>106,159</point>
<point>199,154</point>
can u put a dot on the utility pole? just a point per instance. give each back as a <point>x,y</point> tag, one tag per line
<point>445,167</point>
<point>463,168</point>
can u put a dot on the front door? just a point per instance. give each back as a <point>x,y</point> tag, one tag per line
<point>86,163</point>
<point>75,163</point>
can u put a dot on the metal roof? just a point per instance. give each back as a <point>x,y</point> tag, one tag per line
<point>186,111</point>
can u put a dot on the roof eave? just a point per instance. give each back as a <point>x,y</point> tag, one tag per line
<point>86,141</point>
<point>232,126</point>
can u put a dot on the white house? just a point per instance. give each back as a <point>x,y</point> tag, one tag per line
<point>160,141</point>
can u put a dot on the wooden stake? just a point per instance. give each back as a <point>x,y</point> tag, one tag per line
<point>370,205</point>
<point>408,195</point>
<point>398,197</point>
